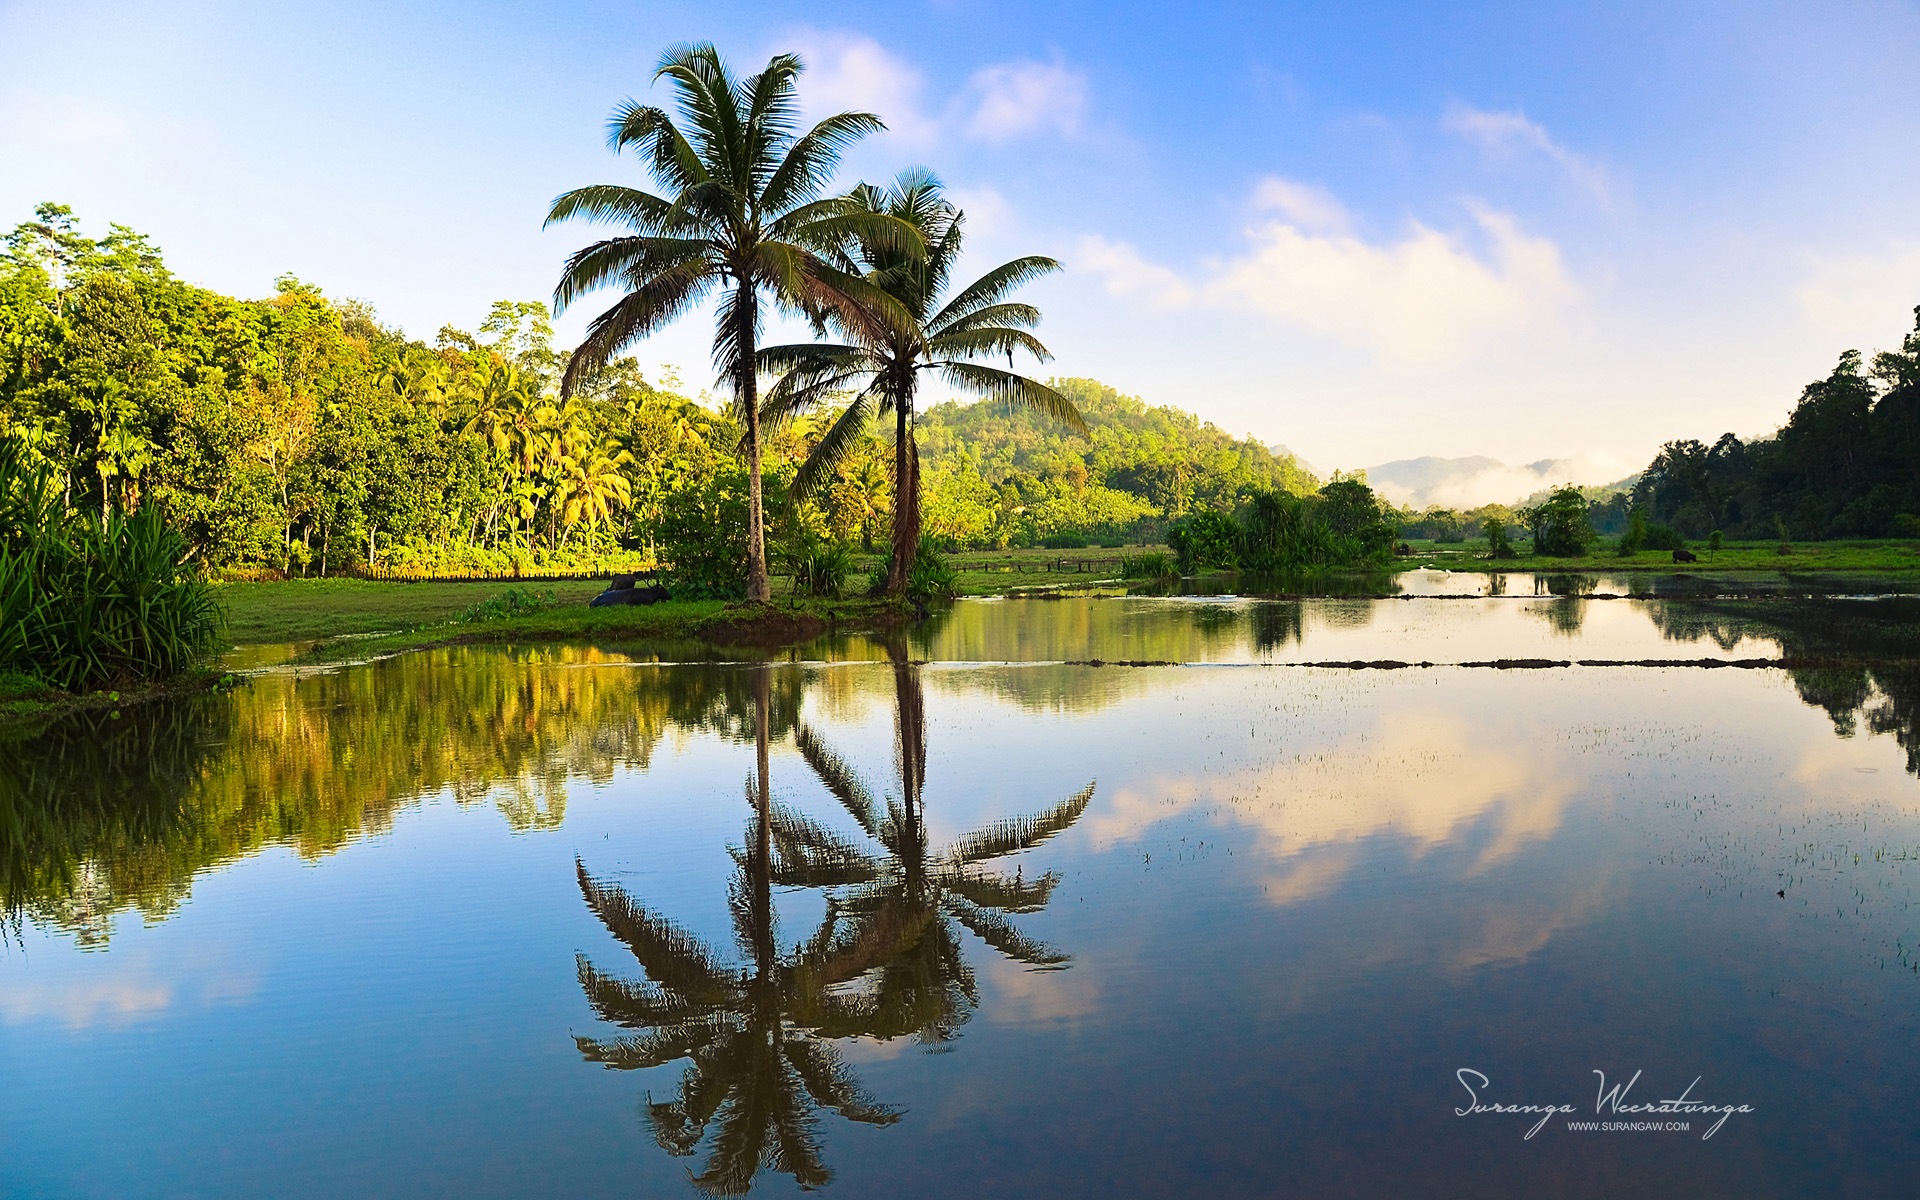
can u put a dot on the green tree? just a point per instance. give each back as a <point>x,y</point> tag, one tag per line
<point>884,358</point>
<point>743,214</point>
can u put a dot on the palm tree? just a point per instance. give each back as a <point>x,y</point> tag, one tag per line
<point>887,356</point>
<point>743,214</point>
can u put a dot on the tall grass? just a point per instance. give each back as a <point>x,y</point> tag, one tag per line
<point>94,599</point>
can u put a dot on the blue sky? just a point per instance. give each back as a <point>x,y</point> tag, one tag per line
<point>1367,231</point>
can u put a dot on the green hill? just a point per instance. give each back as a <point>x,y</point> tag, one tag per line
<point>995,476</point>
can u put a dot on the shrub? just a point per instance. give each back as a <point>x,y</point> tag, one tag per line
<point>703,537</point>
<point>514,602</point>
<point>821,568</point>
<point>1498,544</point>
<point>1204,541</point>
<point>1664,537</point>
<point>1152,565</point>
<point>1634,539</point>
<point>93,599</point>
<point>931,577</point>
<point>1065,540</point>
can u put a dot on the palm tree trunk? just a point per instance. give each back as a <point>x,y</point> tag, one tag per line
<point>746,390</point>
<point>906,498</point>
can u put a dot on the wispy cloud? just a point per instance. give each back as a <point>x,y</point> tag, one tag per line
<point>1509,136</point>
<point>1853,297</point>
<point>1001,102</point>
<point>1424,300</point>
<point>1012,100</point>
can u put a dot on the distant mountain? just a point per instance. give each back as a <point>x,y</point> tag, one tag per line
<point>1420,483</point>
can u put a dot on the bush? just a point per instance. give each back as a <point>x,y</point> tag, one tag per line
<point>1498,544</point>
<point>1151,565</point>
<point>1559,524</point>
<point>94,599</point>
<point>821,568</point>
<point>1205,541</point>
<point>703,537</point>
<point>1664,537</point>
<point>1065,540</point>
<point>514,602</point>
<point>931,578</point>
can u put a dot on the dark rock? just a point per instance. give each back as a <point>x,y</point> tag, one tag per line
<point>1685,556</point>
<point>653,593</point>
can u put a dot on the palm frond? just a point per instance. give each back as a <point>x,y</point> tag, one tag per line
<point>1008,893</point>
<point>838,778</point>
<point>811,160</point>
<point>671,957</point>
<point>998,932</point>
<point>1014,834</point>
<point>833,1086</point>
<point>1012,389</point>
<point>841,439</point>
<point>995,285</point>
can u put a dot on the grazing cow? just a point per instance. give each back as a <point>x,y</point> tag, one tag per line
<point>1685,556</point>
<point>653,593</point>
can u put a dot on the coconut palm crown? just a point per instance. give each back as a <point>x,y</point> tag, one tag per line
<point>742,210</point>
<point>883,356</point>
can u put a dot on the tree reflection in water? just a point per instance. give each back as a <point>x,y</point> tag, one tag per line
<point>885,960</point>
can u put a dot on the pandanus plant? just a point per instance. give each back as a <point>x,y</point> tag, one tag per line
<point>881,360</point>
<point>742,211</point>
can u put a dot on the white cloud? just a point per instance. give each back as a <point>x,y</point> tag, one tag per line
<point>1507,135</point>
<point>851,72</point>
<point>1427,300</point>
<point>1010,100</point>
<point>1128,274</point>
<point>1303,204</point>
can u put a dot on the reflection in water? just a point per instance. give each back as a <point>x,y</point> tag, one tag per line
<point>1853,659</point>
<point>757,1069</point>
<point>884,962</point>
<point>100,817</point>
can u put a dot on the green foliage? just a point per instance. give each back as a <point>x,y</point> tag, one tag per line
<point>1205,541</point>
<point>821,568</point>
<point>1845,465</point>
<point>514,602</point>
<point>1343,526</point>
<point>1499,545</point>
<point>996,477</point>
<point>1559,524</point>
<point>92,599</point>
<point>931,578</point>
<point>702,536</point>
<point>1152,565</point>
<point>1664,537</point>
<point>1634,539</point>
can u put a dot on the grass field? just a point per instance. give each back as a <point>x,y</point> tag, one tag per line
<point>302,609</point>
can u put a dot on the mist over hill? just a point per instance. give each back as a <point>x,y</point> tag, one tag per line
<point>1420,483</point>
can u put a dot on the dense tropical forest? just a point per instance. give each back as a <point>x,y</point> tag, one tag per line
<point>298,434</point>
<point>1845,465</point>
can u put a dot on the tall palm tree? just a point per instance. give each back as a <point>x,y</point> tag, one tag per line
<point>885,357</point>
<point>743,212</point>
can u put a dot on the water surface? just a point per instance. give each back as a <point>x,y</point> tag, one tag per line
<point>963,914</point>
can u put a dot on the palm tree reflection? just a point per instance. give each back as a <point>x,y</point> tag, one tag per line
<point>885,961</point>
<point>915,897</point>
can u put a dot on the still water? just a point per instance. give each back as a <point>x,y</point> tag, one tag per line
<point>961,913</point>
